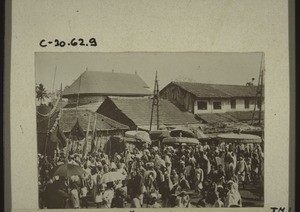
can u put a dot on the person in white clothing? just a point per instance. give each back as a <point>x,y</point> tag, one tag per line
<point>108,195</point>
<point>241,170</point>
<point>233,196</point>
<point>74,196</point>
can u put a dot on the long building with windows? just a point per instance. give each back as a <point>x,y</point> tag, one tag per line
<point>200,98</point>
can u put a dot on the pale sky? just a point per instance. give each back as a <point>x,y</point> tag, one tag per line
<point>216,68</point>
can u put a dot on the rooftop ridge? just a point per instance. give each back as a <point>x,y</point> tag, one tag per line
<point>106,83</point>
<point>117,73</point>
<point>110,72</point>
<point>135,98</point>
<point>209,83</point>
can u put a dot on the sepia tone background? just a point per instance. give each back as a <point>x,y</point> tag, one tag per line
<point>206,67</point>
<point>150,26</point>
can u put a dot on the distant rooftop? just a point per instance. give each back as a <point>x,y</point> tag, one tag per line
<point>236,116</point>
<point>108,83</point>
<point>203,90</point>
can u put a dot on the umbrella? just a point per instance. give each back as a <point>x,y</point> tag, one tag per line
<point>182,132</point>
<point>133,140</point>
<point>112,176</point>
<point>180,140</point>
<point>66,170</point>
<point>157,134</point>
<point>239,138</point>
<point>140,136</point>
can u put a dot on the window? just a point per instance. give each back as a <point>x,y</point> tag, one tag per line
<point>258,103</point>
<point>246,103</point>
<point>217,105</point>
<point>233,103</point>
<point>202,105</point>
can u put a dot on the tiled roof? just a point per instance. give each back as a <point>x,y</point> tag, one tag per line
<point>236,116</point>
<point>108,83</point>
<point>68,120</point>
<point>202,90</point>
<point>212,130</point>
<point>103,123</point>
<point>92,106</point>
<point>215,117</point>
<point>246,115</point>
<point>139,111</point>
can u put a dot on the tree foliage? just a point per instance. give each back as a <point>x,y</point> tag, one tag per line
<point>41,92</point>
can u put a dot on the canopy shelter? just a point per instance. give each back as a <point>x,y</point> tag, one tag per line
<point>182,131</point>
<point>66,170</point>
<point>137,137</point>
<point>112,177</point>
<point>159,134</point>
<point>180,141</point>
<point>239,138</point>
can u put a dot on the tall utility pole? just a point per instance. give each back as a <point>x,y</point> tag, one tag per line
<point>155,103</point>
<point>260,95</point>
<point>259,92</point>
<point>54,79</point>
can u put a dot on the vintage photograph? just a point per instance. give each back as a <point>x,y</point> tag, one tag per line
<point>150,130</point>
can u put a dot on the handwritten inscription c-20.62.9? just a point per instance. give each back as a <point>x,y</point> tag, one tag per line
<point>72,42</point>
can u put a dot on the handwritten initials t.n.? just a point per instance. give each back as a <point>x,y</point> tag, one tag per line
<point>274,209</point>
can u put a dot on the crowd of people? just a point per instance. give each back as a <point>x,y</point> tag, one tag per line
<point>169,176</point>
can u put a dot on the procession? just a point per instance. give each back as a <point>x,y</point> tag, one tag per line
<point>150,177</point>
<point>105,140</point>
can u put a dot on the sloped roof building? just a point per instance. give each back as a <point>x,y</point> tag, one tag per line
<point>204,90</point>
<point>95,86</point>
<point>199,98</point>
<point>66,120</point>
<point>136,112</point>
